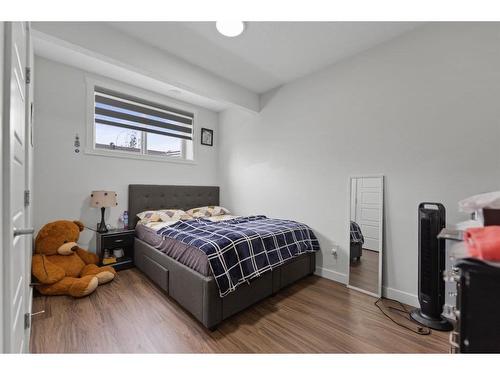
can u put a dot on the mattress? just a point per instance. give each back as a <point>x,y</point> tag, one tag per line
<point>187,255</point>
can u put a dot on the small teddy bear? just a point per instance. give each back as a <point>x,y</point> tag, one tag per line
<point>61,266</point>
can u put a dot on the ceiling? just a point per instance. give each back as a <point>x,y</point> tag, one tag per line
<point>267,54</point>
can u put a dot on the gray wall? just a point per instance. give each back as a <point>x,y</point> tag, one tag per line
<point>422,109</point>
<point>64,179</point>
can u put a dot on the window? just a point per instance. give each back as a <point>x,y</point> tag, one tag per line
<point>136,127</point>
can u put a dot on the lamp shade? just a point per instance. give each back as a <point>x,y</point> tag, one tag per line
<point>101,198</point>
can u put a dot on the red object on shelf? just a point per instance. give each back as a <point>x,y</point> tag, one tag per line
<point>483,243</point>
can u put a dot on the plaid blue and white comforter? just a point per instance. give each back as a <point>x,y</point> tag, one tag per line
<point>356,235</point>
<point>241,249</point>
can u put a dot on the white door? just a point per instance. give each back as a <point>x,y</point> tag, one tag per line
<point>17,237</point>
<point>368,204</point>
<point>29,152</point>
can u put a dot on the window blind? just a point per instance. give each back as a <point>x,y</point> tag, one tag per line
<point>117,109</point>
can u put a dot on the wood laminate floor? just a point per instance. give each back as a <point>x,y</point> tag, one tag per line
<point>132,315</point>
<point>364,272</point>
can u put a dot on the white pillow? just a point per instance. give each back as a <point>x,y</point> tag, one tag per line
<point>207,211</point>
<point>148,217</point>
<point>162,215</point>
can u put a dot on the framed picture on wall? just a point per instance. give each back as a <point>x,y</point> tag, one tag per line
<point>207,137</point>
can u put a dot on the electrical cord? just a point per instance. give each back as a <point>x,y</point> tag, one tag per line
<point>419,330</point>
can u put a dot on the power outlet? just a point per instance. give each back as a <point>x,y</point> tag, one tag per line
<point>335,252</point>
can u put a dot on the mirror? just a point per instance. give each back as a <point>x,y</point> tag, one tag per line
<point>366,232</point>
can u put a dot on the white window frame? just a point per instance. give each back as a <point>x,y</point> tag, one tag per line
<point>90,148</point>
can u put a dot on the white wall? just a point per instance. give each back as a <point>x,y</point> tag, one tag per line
<point>422,109</point>
<point>107,44</point>
<point>64,179</point>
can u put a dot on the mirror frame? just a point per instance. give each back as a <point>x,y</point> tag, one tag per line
<point>381,237</point>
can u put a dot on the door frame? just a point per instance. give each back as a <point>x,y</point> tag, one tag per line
<point>2,57</point>
<point>29,152</point>
<point>5,220</point>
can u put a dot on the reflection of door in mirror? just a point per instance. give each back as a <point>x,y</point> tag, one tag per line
<point>366,222</point>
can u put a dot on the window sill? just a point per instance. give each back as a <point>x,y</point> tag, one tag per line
<point>127,155</point>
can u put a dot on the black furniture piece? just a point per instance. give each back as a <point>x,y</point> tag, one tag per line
<point>356,250</point>
<point>477,311</point>
<point>117,239</point>
<point>431,264</point>
<point>357,241</point>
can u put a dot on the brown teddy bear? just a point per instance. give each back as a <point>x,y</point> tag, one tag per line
<point>61,266</point>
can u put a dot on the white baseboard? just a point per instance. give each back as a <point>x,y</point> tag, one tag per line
<point>396,294</point>
<point>399,295</point>
<point>331,275</point>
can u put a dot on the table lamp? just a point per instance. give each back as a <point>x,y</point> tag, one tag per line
<point>102,199</point>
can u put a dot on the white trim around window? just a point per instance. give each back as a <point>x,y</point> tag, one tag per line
<point>92,82</point>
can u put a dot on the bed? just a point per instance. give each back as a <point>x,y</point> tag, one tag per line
<point>188,280</point>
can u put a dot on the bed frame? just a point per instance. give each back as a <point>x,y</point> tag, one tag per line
<point>197,293</point>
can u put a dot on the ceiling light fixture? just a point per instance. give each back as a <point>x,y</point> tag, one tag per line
<point>230,28</point>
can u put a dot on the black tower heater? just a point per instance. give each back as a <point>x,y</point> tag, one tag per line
<point>431,264</point>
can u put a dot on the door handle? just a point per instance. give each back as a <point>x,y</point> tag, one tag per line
<point>36,313</point>
<point>22,232</point>
<point>28,316</point>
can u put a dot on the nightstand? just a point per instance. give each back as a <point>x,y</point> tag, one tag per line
<point>117,239</point>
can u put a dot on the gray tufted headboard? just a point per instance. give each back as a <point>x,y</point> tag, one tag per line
<point>155,197</point>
